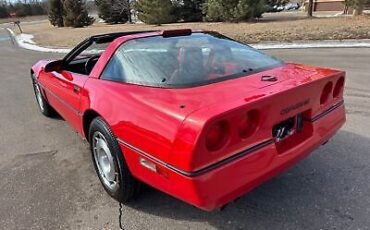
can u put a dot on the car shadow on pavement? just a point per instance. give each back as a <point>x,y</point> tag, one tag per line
<point>56,116</point>
<point>326,190</point>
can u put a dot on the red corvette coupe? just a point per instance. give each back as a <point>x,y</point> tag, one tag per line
<point>194,114</point>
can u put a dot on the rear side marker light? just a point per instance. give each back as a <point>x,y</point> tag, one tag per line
<point>217,135</point>
<point>326,93</point>
<point>248,124</point>
<point>338,87</point>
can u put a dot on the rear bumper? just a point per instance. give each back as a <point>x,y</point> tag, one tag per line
<point>226,182</point>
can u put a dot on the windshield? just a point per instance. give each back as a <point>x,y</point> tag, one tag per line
<point>184,61</point>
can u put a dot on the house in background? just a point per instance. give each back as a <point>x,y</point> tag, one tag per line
<point>332,5</point>
<point>328,5</point>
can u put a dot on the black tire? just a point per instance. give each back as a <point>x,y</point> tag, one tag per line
<point>42,103</point>
<point>128,186</point>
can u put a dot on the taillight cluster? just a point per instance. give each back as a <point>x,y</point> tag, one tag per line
<point>330,90</point>
<point>219,133</point>
<point>326,93</point>
<point>248,124</point>
<point>339,86</point>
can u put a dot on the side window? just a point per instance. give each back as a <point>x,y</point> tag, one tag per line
<point>114,70</point>
<point>140,65</point>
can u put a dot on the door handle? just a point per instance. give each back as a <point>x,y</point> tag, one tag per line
<point>76,89</point>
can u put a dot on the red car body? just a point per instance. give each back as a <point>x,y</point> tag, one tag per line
<point>166,128</point>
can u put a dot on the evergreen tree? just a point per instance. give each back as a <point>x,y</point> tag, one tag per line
<point>104,9</point>
<point>234,10</point>
<point>3,11</point>
<point>190,10</point>
<point>113,11</point>
<point>21,9</point>
<point>55,11</point>
<point>27,8</point>
<point>220,10</point>
<point>249,9</point>
<point>75,14</point>
<point>358,6</point>
<point>38,8</point>
<point>156,11</point>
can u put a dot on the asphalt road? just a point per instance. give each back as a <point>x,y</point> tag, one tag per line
<point>47,179</point>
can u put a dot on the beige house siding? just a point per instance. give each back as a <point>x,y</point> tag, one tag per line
<point>327,5</point>
<point>331,5</point>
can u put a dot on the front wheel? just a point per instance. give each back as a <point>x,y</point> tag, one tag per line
<point>109,162</point>
<point>42,103</point>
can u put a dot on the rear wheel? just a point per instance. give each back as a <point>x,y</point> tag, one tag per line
<point>109,162</point>
<point>42,103</point>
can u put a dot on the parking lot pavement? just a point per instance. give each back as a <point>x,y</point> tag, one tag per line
<point>47,179</point>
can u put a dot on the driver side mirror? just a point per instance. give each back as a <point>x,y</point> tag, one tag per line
<point>56,66</point>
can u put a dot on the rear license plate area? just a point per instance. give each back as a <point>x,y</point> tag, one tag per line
<point>287,128</point>
<point>291,132</point>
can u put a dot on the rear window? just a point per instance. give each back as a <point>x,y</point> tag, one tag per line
<point>184,61</point>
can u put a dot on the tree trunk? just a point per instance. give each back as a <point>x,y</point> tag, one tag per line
<point>359,8</point>
<point>310,8</point>
<point>129,11</point>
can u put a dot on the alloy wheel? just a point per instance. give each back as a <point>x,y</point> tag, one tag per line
<point>104,161</point>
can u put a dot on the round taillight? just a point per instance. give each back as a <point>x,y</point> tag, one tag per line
<point>326,93</point>
<point>217,135</point>
<point>338,87</point>
<point>248,124</point>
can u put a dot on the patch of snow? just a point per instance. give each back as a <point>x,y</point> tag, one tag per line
<point>365,43</point>
<point>26,38</point>
<point>25,41</point>
<point>338,14</point>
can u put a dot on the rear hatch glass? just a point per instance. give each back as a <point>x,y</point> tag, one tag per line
<point>185,61</point>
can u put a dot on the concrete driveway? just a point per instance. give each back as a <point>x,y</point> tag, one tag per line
<point>48,182</point>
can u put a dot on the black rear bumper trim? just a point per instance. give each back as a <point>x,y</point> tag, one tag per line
<point>326,112</point>
<point>203,170</point>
